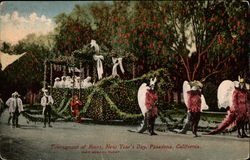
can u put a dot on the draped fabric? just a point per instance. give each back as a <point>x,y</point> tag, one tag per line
<point>116,62</point>
<point>99,59</point>
<point>7,59</point>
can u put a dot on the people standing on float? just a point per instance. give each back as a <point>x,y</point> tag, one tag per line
<point>63,82</point>
<point>57,83</point>
<point>69,82</point>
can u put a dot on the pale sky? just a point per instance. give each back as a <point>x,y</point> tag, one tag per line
<point>20,18</point>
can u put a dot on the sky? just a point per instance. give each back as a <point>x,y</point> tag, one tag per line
<point>20,18</point>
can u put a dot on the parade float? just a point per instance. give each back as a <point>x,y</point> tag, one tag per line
<point>110,98</point>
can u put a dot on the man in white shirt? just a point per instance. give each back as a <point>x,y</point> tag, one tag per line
<point>15,105</point>
<point>68,82</point>
<point>46,102</point>
<point>77,83</point>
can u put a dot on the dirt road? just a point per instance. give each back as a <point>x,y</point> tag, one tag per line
<point>73,141</point>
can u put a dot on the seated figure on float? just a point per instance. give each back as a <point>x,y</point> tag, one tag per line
<point>62,82</point>
<point>69,82</point>
<point>57,83</point>
<point>77,82</point>
<point>86,83</point>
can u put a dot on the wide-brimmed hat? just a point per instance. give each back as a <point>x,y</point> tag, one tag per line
<point>15,94</point>
<point>57,78</point>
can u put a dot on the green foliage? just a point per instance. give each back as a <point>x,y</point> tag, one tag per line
<point>149,30</point>
<point>210,94</point>
<point>142,32</point>
<point>6,47</point>
<point>64,60</point>
<point>112,98</point>
<point>27,72</point>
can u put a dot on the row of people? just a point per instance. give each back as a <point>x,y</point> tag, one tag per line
<point>236,98</point>
<point>47,101</point>
<point>147,98</point>
<point>68,82</point>
<point>15,105</point>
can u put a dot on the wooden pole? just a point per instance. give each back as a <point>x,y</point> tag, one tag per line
<point>80,80</point>
<point>73,77</point>
<point>44,73</point>
<point>64,70</point>
<point>87,70</point>
<point>94,74</point>
<point>83,73</point>
<point>133,69</point>
<point>51,78</point>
